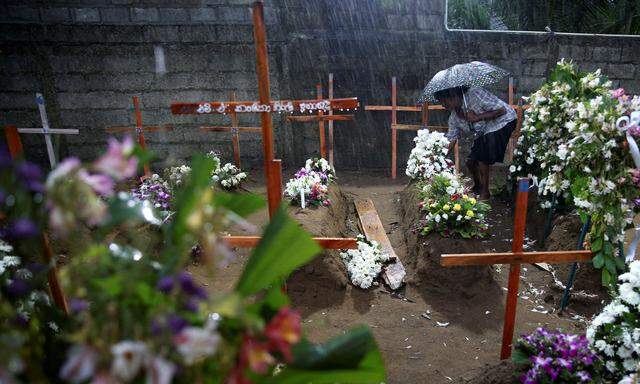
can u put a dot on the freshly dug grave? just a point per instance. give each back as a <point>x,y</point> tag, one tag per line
<point>423,259</point>
<point>325,273</point>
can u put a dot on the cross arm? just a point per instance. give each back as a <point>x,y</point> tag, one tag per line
<point>555,257</point>
<point>311,105</point>
<point>320,118</point>
<point>220,128</point>
<point>324,242</point>
<point>56,131</point>
<point>145,128</point>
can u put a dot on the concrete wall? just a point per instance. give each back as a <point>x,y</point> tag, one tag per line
<point>89,57</point>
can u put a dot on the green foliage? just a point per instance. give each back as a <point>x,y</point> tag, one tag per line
<point>468,14</point>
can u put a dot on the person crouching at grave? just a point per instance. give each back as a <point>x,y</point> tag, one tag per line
<point>490,119</point>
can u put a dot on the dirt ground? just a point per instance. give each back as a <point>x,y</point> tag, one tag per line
<point>445,325</point>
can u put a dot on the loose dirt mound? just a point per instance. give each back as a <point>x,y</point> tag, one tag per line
<point>504,372</point>
<point>423,256</point>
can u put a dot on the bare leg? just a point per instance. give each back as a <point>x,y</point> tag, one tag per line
<point>472,165</point>
<point>483,169</point>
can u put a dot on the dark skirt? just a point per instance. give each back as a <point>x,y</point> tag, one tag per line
<point>490,148</point>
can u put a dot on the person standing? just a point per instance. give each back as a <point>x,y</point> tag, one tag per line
<point>490,119</point>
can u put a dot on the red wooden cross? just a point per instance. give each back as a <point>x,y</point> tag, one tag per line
<point>321,118</point>
<point>265,106</point>
<point>514,258</point>
<point>140,129</point>
<point>395,127</point>
<point>235,129</point>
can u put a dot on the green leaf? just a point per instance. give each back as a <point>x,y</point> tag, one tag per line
<point>111,285</point>
<point>610,264</point>
<point>242,204</point>
<point>606,277</point>
<point>284,247</point>
<point>598,261</point>
<point>596,246</point>
<point>520,357</point>
<point>349,358</point>
<point>275,298</point>
<point>620,263</point>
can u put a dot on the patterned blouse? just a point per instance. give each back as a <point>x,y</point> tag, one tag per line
<point>480,101</point>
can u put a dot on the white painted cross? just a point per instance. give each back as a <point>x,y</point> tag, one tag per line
<point>46,131</point>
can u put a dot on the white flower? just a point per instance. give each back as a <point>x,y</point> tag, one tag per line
<point>365,263</point>
<point>160,371</point>
<point>8,261</point>
<point>128,359</point>
<point>196,344</point>
<point>80,364</point>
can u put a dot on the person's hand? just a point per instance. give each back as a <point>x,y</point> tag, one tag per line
<point>472,117</point>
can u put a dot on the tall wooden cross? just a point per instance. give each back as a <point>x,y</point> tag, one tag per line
<point>395,127</point>
<point>235,130</point>
<point>321,118</point>
<point>45,130</point>
<point>140,129</point>
<point>514,258</point>
<point>55,288</point>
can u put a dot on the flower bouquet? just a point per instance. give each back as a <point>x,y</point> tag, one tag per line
<point>615,333</point>
<point>449,210</point>
<point>365,263</point>
<point>429,156</point>
<point>575,152</point>
<point>556,357</point>
<point>310,185</point>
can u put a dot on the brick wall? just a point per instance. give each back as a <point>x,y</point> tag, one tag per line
<point>90,57</point>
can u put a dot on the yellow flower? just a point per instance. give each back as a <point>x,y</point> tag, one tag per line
<point>433,205</point>
<point>457,207</point>
<point>473,201</point>
<point>446,207</point>
<point>470,213</point>
<point>465,197</point>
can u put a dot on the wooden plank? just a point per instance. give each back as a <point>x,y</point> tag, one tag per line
<point>401,108</point>
<point>140,132</point>
<point>235,135</point>
<point>553,257</point>
<point>13,140</point>
<point>274,186</point>
<point>222,128</point>
<point>324,242</point>
<point>342,104</point>
<point>145,128</point>
<point>329,118</point>
<point>373,229</point>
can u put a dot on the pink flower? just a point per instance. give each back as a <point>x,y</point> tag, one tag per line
<point>118,162</point>
<point>283,331</point>
<point>101,184</point>
<point>618,93</point>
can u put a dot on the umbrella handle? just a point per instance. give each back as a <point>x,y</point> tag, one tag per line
<point>466,108</point>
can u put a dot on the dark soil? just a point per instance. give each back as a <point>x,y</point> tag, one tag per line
<point>445,324</point>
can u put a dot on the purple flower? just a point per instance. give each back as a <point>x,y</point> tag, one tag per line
<point>18,288</point>
<point>22,228</point>
<point>188,286</point>
<point>165,284</point>
<point>192,305</point>
<point>156,326</point>
<point>30,175</point>
<point>617,93</point>
<point>176,323</point>
<point>584,376</point>
<point>78,305</point>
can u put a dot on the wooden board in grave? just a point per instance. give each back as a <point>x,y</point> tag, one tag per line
<point>393,273</point>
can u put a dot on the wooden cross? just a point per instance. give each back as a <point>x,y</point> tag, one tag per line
<point>55,289</point>
<point>395,127</point>
<point>265,106</point>
<point>321,118</point>
<point>514,258</point>
<point>234,129</point>
<point>140,129</point>
<point>45,130</point>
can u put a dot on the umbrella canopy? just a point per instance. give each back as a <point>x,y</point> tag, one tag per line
<point>473,74</point>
